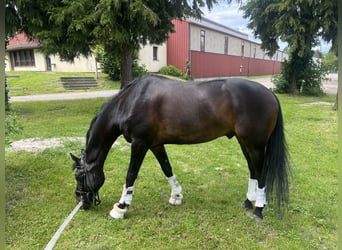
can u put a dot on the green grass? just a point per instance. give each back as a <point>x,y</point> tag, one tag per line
<point>31,83</point>
<point>214,175</point>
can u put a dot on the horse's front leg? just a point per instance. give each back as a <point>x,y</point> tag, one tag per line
<point>176,189</point>
<point>138,152</point>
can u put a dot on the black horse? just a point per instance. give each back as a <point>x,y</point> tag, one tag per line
<point>154,110</point>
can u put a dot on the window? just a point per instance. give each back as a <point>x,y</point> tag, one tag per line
<point>226,45</point>
<point>242,48</point>
<point>23,58</point>
<point>202,40</point>
<point>155,53</point>
<point>254,52</point>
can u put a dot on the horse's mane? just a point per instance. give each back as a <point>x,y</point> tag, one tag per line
<point>90,128</point>
<point>108,103</point>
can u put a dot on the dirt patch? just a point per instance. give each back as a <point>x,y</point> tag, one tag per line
<point>38,144</point>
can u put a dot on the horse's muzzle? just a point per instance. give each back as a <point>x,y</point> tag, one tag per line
<point>86,197</point>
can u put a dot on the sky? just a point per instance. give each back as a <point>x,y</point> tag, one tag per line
<point>230,16</point>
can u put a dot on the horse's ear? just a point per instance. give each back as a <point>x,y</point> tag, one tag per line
<point>75,159</point>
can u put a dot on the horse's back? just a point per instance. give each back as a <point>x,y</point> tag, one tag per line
<point>234,94</point>
<point>169,111</point>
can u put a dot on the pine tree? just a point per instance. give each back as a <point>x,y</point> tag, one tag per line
<point>72,28</point>
<point>301,24</point>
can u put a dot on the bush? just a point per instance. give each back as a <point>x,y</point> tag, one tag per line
<point>281,84</point>
<point>312,84</point>
<point>111,65</point>
<point>11,126</point>
<point>171,70</point>
<point>307,81</point>
<point>139,70</point>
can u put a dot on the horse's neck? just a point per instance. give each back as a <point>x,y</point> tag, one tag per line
<point>101,137</point>
<point>106,127</point>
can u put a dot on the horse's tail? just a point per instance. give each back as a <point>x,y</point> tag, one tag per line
<point>276,164</point>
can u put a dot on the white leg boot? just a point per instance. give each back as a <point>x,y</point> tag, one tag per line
<point>260,197</point>
<point>176,191</point>
<point>126,199</point>
<point>252,189</point>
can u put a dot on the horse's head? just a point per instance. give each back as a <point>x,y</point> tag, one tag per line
<point>89,180</point>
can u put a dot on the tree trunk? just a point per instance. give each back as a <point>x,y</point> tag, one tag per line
<point>293,85</point>
<point>126,66</point>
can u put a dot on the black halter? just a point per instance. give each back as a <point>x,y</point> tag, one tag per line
<point>91,195</point>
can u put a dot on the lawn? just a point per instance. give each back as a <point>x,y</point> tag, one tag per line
<point>40,186</point>
<point>30,83</point>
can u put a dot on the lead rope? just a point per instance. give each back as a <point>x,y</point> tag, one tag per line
<point>58,233</point>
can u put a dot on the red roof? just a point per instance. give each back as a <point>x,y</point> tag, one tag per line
<point>21,41</point>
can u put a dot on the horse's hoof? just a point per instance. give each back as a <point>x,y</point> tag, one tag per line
<point>116,212</point>
<point>257,216</point>
<point>247,204</point>
<point>176,199</point>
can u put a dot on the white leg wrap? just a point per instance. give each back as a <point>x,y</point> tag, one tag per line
<point>126,198</point>
<point>260,197</point>
<point>176,191</point>
<point>127,195</point>
<point>252,189</point>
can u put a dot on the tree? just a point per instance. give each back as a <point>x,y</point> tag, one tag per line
<point>12,22</point>
<point>299,23</point>
<point>72,28</point>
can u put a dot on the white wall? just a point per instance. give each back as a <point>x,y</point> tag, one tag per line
<point>214,43</point>
<point>40,64</point>
<point>146,57</point>
<point>81,64</point>
<point>7,62</point>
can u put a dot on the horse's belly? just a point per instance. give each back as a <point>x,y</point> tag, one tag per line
<point>191,134</point>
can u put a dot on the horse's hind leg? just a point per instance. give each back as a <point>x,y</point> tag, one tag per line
<point>256,183</point>
<point>257,159</point>
<point>252,181</point>
<point>176,189</point>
